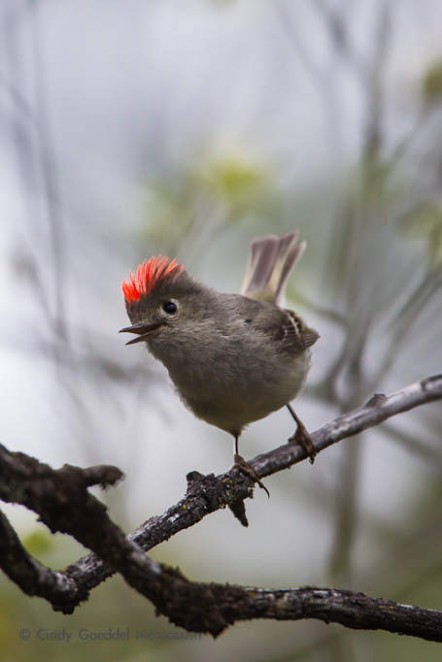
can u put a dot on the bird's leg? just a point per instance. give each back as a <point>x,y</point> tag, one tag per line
<point>302,436</point>
<point>246,468</point>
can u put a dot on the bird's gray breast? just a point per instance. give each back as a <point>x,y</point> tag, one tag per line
<point>238,367</point>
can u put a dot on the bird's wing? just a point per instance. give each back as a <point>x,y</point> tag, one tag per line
<point>284,327</point>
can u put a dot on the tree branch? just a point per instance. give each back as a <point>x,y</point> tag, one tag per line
<point>62,500</point>
<point>30,575</point>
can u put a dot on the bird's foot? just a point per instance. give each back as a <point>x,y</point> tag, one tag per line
<point>303,438</point>
<point>249,471</point>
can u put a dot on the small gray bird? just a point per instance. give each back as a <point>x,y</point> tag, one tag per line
<point>234,358</point>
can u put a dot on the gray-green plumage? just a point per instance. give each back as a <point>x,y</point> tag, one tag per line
<point>233,359</point>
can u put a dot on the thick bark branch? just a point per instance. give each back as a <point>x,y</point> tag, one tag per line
<point>353,610</point>
<point>30,575</point>
<point>62,500</point>
<point>206,494</point>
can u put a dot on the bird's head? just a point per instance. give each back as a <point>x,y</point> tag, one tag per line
<point>159,297</point>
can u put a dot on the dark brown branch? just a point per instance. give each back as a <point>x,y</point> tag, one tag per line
<point>353,610</point>
<point>206,494</point>
<point>62,500</point>
<point>212,607</point>
<point>30,575</point>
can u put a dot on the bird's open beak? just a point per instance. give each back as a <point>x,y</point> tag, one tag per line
<point>143,331</point>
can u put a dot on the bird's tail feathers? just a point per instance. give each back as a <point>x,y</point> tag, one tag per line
<point>270,262</point>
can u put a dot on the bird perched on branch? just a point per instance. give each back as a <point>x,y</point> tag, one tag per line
<point>234,358</point>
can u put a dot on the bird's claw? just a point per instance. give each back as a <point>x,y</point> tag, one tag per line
<point>303,438</point>
<point>249,471</point>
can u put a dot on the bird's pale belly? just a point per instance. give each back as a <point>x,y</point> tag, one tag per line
<point>233,400</point>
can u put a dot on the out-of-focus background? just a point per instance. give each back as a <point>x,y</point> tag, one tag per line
<point>135,128</point>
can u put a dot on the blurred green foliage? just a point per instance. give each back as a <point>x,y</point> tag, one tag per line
<point>38,542</point>
<point>212,192</point>
<point>432,84</point>
<point>425,224</point>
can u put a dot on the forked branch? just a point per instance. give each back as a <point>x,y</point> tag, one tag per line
<point>63,502</point>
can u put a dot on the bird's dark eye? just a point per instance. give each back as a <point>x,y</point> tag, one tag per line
<point>170,307</point>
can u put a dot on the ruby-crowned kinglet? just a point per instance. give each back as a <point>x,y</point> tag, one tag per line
<point>234,358</point>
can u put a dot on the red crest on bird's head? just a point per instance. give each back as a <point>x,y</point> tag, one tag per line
<point>148,275</point>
